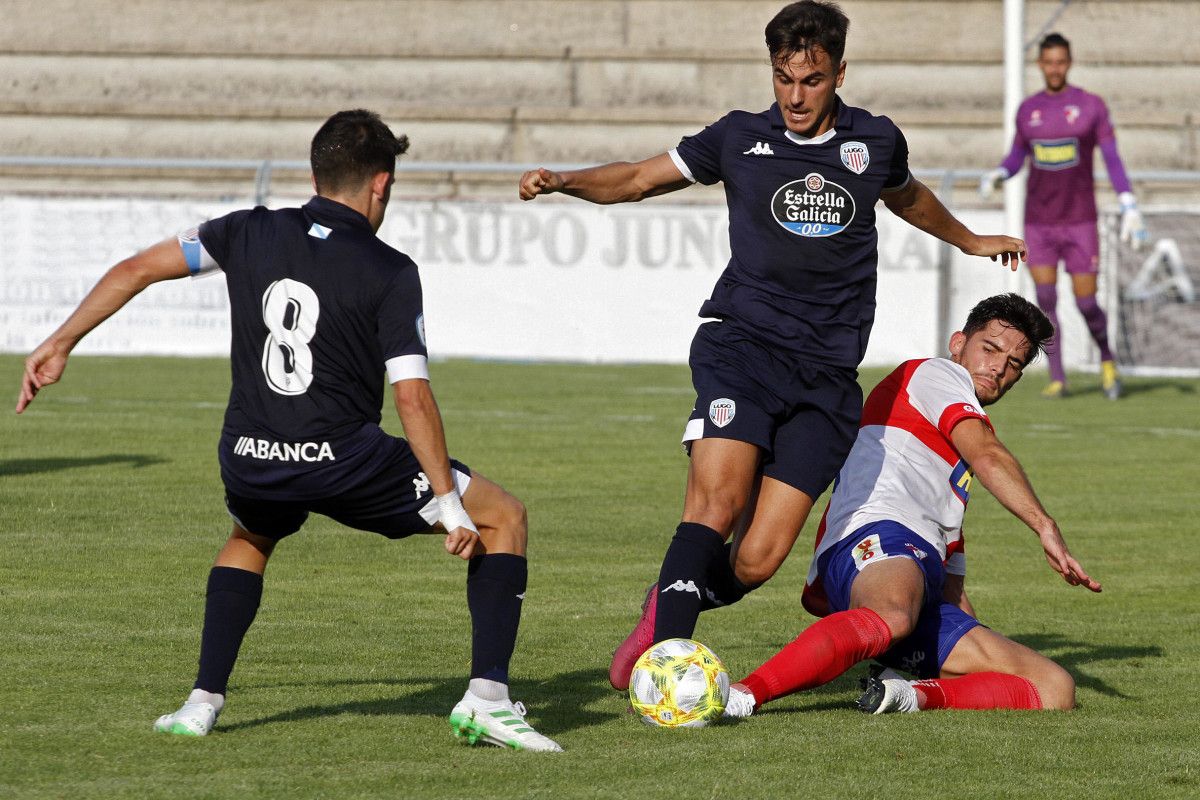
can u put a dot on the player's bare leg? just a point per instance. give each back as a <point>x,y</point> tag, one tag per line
<point>231,603</point>
<point>983,650</point>
<point>774,521</point>
<point>1045,279</point>
<point>722,477</point>
<point>984,671</point>
<point>501,518</point>
<point>1084,286</point>
<point>497,576</point>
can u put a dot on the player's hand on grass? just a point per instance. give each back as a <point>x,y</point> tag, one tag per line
<point>44,366</point>
<point>1062,562</point>
<point>539,181</point>
<point>1008,249</point>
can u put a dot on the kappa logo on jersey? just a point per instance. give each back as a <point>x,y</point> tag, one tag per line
<point>813,207</point>
<point>867,550</point>
<point>960,482</point>
<point>1055,154</point>
<point>722,411</point>
<point>680,586</point>
<point>420,484</point>
<point>266,450</point>
<point>856,157</point>
<point>760,149</point>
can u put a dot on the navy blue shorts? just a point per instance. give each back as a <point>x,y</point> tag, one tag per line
<point>940,624</point>
<point>390,495</point>
<point>803,415</point>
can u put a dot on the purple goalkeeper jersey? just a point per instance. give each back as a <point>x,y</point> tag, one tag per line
<point>1059,134</point>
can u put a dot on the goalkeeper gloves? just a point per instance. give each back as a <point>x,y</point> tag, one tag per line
<point>1133,229</point>
<point>991,181</point>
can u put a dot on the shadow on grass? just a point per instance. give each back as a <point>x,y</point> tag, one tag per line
<point>436,696</point>
<point>1074,656</point>
<point>34,466</point>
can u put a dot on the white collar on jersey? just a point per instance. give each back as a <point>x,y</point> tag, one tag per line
<point>822,139</point>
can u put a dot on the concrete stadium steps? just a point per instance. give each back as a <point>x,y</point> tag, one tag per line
<point>1156,31</point>
<point>544,81</point>
<point>126,85</point>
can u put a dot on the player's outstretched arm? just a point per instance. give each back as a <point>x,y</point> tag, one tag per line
<point>618,182</point>
<point>917,205</point>
<point>422,423</point>
<point>119,285</point>
<point>1000,472</point>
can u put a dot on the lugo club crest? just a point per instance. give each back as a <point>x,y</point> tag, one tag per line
<point>813,206</point>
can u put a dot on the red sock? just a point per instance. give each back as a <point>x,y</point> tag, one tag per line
<point>979,691</point>
<point>825,650</point>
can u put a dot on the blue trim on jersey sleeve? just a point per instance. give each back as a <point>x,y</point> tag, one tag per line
<point>191,252</point>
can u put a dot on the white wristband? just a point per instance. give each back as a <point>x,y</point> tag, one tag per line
<point>452,514</point>
<point>1127,200</point>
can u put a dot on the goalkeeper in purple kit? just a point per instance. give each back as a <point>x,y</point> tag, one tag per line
<point>1058,130</point>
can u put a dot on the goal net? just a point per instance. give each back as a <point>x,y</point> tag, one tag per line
<point>1156,295</point>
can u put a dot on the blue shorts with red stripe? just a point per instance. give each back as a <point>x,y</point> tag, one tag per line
<point>940,624</point>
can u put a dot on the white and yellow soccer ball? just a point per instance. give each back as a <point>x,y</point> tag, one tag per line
<point>679,683</point>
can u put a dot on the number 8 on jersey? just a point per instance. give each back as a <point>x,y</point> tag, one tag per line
<point>290,311</point>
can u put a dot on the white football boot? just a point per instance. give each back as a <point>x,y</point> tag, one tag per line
<point>887,695</point>
<point>192,719</point>
<point>498,722</point>
<point>739,705</point>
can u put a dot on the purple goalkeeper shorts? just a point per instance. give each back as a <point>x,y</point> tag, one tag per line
<point>1076,245</point>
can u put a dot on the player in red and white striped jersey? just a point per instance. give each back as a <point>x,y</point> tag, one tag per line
<point>888,568</point>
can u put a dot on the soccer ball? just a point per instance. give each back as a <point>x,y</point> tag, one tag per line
<point>679,683</point>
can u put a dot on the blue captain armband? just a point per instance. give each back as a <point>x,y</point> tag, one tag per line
<point>199,262</point>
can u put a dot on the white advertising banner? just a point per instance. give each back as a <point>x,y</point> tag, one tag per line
<point>530,281</point>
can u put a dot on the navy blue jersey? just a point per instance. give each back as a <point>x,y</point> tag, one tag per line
<point>801,225</point>
<point>320,308</point>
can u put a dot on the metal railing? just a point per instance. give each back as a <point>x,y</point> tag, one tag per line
<point>264,169</point>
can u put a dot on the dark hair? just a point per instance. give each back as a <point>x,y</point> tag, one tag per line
<point>351,148</point>
<point>1013,311</point>
<point>1054,40</point>
<point>805,26</point>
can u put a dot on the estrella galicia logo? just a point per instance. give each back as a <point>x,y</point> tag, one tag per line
<point>813,206</point>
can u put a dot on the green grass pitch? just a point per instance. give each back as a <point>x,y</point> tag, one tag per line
<point>111,513</point>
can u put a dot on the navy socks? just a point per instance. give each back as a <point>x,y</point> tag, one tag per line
<point>229,608</point>
<point>724,588</point>
<point>495,591</point>
<point>683,579</point>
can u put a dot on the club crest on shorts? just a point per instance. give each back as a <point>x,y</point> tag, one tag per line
<point>722,411</point>
<point>855,156</point>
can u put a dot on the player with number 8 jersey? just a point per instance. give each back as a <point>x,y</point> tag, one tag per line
<point>321,308</point>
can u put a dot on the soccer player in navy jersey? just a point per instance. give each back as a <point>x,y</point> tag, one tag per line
<point>777,402</point>
<point>321,310</point>
<point>1058,130</point>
